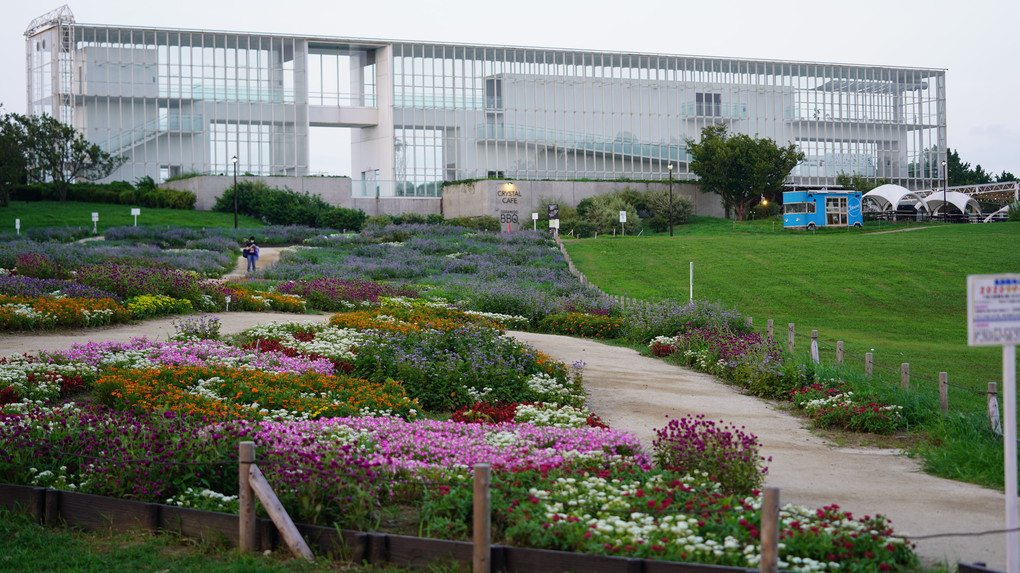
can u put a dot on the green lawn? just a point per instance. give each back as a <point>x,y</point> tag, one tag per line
<point>42,214</point>
<point>902,294</point>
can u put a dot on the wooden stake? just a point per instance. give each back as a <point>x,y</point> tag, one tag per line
<point>769,530</point>
<point>993,409</point>
<point>839,351</point>
<point>789,337</point>
<point>769,329</point>
<point>905,375</point>
<point>283,522</point>
<point>944,392</point>
<point>246,497</point>
<point>482,520</point>
<point>814,346</point>
<point>868,364</point>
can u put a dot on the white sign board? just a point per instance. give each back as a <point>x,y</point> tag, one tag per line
<point>993,309</point>
<point>534,216</point>
<point>17,224</point>
<point>623,216</point>
<point>554,223</point>
<point>136,212</point>
<point>95,217</point>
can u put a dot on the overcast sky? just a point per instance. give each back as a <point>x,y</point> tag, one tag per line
<point>976,40</point>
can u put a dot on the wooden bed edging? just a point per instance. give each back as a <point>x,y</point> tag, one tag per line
<point>93,512</point>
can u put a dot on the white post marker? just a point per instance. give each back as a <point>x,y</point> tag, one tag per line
<point>17,226</point>
<point>993,318</point>
<point>623,219</point>
<point>95,223</point>
<point>692,280</point>
<point>534,221</point>
<point>135,213</point>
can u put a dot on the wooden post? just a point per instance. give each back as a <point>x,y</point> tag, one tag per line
<point>814,346</point>
<point>749,321</point>
<point>769,530</point>
<point>275,509</point>
<point>482,520</point>
<point>246,497</point>
<point>905,375</point>
<point>789,338</point>
<point>993,409</point>
<point>868,364</point>
<point>839,351</point>
<point>944,392</point>
<point>769,329</point>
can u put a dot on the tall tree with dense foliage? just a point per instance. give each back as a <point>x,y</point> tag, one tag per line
<point>12,156</point>
<point>59,153</point>
<point>739,168</point>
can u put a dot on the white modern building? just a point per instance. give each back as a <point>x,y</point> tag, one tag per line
<point>173,101</point>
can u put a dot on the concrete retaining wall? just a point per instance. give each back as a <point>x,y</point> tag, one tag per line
<point>504,199</point>
<point>514,201</point>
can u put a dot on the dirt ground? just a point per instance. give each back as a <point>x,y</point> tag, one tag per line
<point>639,394</point>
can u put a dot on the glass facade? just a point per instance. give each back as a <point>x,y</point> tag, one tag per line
<point>177,101</point>
<point>526,113</point>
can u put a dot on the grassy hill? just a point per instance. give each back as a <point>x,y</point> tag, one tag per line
<point>902,294</point>
<point>42,214</point>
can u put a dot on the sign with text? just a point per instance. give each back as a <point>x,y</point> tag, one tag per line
<point>623,216</point>
<point>136,212</point>
<point>95,217</point>
<point>993,309</point>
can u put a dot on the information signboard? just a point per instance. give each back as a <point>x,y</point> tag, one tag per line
<point>993,309</point>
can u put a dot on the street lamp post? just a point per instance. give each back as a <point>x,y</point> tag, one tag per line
<point>945,191</point>
<point>670,199</point>
<point>234,161</point>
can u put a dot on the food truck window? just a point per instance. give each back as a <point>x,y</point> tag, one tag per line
<point>799,208</point>
<point>835,211</point>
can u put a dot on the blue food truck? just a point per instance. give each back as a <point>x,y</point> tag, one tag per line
<point>821,208</point>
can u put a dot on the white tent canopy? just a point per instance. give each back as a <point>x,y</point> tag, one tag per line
<point>959,200</point>
<point>888,197</point>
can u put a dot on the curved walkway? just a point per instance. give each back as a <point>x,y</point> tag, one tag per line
<point>638,393</point>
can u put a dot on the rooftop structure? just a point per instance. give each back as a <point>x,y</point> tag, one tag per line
<point>174,101</point>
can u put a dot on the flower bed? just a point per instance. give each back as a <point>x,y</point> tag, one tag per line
<point>832,404</point>
<point>47,312</point>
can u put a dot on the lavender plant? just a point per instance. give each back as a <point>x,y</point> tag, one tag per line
<point>202,327</point>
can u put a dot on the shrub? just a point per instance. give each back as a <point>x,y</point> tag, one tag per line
<point>379,221</point>
<point>342,219</point>
<point>578,228</point>
<point>272,205</point>
<point>658,204</point>
<point>722,451</point>
<point>583,325</point>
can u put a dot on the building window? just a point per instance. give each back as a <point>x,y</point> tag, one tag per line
<point>708,104</point>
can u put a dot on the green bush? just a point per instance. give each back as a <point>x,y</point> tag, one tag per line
<point>379,221</point>
<point>342,219</point>
<point>115,193</point>
<point>273,206</point>
<point>581,229</point>
<point>658,203</point>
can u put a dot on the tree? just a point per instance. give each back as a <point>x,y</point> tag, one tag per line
<point>13,163</point>
<point>739,168</point>
<point>57,152</point>
<point>960,173</point>
<point>1004,177</point>
<point>858,183</point>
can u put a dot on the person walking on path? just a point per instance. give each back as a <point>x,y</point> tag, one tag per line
<point>252,254</point>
